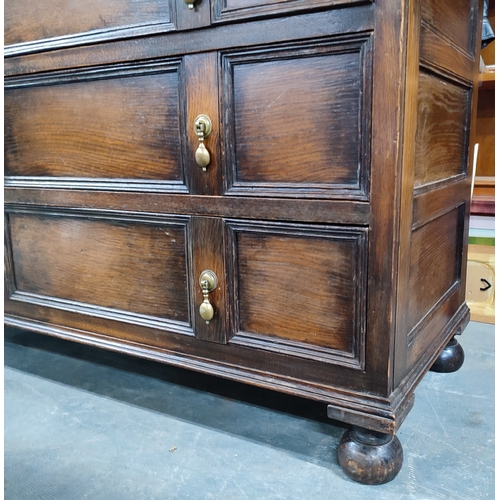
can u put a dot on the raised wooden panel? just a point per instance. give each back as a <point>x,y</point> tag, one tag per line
<point>444,111</point>
<point>107,124</point>
<point>453,19</point>
<point>299,290</point>
<point>31,20</point>
<point>228,10</point>
<point>435,260</point>
<point>297,120</point>
<point>132,267</point>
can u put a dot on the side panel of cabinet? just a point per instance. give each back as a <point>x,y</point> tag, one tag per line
<point>435,269</point>
<point>124,269</point>
<point>297,120</point>
<point>440,182</point>
<point>121,125</point>
<point>442,128</point>
<point>455,20</point>
<point>299,290</point>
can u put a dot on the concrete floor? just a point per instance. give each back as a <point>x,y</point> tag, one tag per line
<point>84,423</point>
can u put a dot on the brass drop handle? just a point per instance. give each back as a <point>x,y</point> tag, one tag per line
<point>190,4</point>
<point>208,283</point>
<point>202,128</point>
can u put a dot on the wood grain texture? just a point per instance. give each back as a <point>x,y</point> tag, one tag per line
<point>429,205</point>
<point>437,54</point>
<point>29,20</point>
<point>407,187</point>
<point>428,339</point>
<point>389,53</point>
<point>453,19</point>
<point>435,257</point>
<point>8,267</point>
<point>444,110</point>
<point>279,137</point>
<point>230,10</point>
<point>267,31</point>
<point>126,128</point>
<point>201,76</point>
<point>188,19</point>
<point>118,264</point>
<point>299,286</point>
<point>207,253</point>
<point>322,211</point>
<point>342,77</point>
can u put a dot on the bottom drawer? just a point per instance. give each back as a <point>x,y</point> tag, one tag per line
<point>104,266</point>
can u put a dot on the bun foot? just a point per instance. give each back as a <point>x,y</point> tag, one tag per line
<point>451,358</point>
<point>370,457</point>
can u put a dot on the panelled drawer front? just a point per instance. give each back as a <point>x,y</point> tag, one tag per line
<point>121,123</point>
<point>297,120</point>
<point>299,289</point>
<point>133,270</point>
<point>232,10</point>
<point>67,21</point>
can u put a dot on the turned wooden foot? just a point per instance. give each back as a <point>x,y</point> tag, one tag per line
<point>370,457</point>
<point>451,358</point>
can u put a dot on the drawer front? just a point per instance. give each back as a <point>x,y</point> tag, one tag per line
<point>299,289</point>
<point>231,10</point>
<point>297,120</point>
<point>100,125</point>
<point>115,268</point>
<point>27,21</point>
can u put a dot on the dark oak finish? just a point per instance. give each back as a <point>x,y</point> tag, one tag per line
<point>118,264</point>
<point>434,257</point>
<point>30,23</point>
<point>441,144</point>
<point>453,19</point>
<point>118,123</point>
<point>230,10</point>
<point>276,306</point>
<point>239,35</point>
<point>207,253</point>
<point>451,359</point>
<point>279,141</point>
<point>370,457</point>
<point>334,210</point>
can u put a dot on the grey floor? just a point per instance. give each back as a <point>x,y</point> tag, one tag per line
<point>83,423</point>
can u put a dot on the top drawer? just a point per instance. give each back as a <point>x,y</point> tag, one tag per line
<point>29,21</point>
<point>37,25</point>
<point>229,10</point>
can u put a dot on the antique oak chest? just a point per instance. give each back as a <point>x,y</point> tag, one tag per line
<point>275,192</point>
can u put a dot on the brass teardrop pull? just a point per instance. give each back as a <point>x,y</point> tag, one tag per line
<point>202,128</point>
<point>202,156</point>
<point>208,282</point>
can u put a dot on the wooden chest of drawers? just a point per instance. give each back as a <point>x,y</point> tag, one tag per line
<point>323,240</point>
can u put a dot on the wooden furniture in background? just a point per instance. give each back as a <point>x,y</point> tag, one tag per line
<point>333,210</point>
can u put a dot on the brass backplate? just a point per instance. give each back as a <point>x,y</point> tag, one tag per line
<point>211,278</point>
<point>206,124</point>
